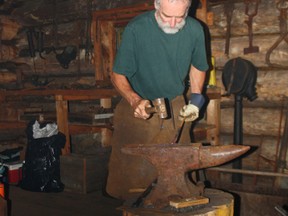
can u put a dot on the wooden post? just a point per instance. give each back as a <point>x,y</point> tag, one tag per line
<point>62,121</point>
<point>106,133</point>
<point>213,115</point>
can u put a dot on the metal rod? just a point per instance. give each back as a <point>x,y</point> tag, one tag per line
<point>249,172</point>
<point>238,135</point>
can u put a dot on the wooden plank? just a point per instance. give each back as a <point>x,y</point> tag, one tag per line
<point>62,121</point>
<point>256,121</point>
<point>220,204</point>
<point>8,52</point>
<point>213,93</point>
<point>124,9</point>
<point>8,77</point>
<point>213,114</point>
<point>193,201</point>
<point>10,27</point>
<point>213,117</point>
<point>106,134</point>
<point>71,94</point>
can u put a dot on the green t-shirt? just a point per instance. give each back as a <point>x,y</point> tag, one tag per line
<point>155,63</point>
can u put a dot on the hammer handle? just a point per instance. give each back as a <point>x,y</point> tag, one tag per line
<point>150,110</point>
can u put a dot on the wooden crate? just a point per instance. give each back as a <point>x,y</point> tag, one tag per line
<point>82,173</point>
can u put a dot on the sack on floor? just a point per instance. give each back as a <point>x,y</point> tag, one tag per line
<point>41,170</point>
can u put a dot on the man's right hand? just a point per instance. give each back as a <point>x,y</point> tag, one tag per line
<point>140,109</point>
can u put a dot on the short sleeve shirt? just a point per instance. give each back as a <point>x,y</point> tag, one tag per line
<point>156,63</point>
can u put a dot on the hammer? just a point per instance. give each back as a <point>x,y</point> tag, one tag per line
<point>159,107</point>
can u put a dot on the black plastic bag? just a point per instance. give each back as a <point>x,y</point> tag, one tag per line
<point>41,170</point>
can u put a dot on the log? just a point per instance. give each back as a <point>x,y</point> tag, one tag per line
<point>237,44</point>
<point>7,77</point>
<point>8,52</point>
<point>256,121</point>
<point>265,22</point>
<point>263,153</point>
<point>271,86</point>
<point>10,27</point>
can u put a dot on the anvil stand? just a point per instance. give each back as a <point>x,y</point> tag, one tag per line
<point>173,161</point>
<point>238,136</point>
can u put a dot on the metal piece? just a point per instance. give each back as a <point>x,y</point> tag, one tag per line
<point>228,10</point>
<point>159,107</point>
<point>249,22</point>
<point>238,135</point>
<point>178,133</point>
<point>30,34</point>
<point>173,162</point>
<point>248,172</point>
<point>281,210</point>
<point>282,6</point>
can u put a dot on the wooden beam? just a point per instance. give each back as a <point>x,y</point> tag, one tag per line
<point>71,94</point>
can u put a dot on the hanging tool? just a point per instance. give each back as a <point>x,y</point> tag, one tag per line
<point>179,132</point>
<point>88,44</point>
<point>282,6</point>
<point>39,35</point>
<point>30,34</point>
<point>228,10</point>
<point>249,22</point>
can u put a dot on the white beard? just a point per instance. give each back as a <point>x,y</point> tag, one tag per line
<point>166,27</point>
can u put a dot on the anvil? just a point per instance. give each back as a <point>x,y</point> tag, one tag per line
<point>174,161</point>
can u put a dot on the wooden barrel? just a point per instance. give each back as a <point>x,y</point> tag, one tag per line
<point>220,204</point>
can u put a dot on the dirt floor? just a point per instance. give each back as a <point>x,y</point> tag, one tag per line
<point>26,203</point>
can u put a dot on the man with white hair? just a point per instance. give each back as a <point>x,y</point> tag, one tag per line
<point>159,51</point>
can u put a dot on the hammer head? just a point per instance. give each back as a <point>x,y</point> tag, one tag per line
<point>160,107</point>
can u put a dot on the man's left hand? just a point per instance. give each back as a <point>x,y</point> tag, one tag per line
<point>190,112</point>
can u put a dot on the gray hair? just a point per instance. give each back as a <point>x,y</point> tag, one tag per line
<point>158,2</point>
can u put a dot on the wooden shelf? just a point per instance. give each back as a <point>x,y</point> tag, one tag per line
<point>67,94</point>
<point>62,97</point>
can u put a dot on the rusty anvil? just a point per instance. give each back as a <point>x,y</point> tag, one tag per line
<point>173,162</point>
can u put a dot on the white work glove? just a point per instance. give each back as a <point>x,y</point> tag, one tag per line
<point>190,112</point>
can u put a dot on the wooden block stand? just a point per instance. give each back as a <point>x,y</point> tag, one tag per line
<point>220,204</point>
<point>83,174</point>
